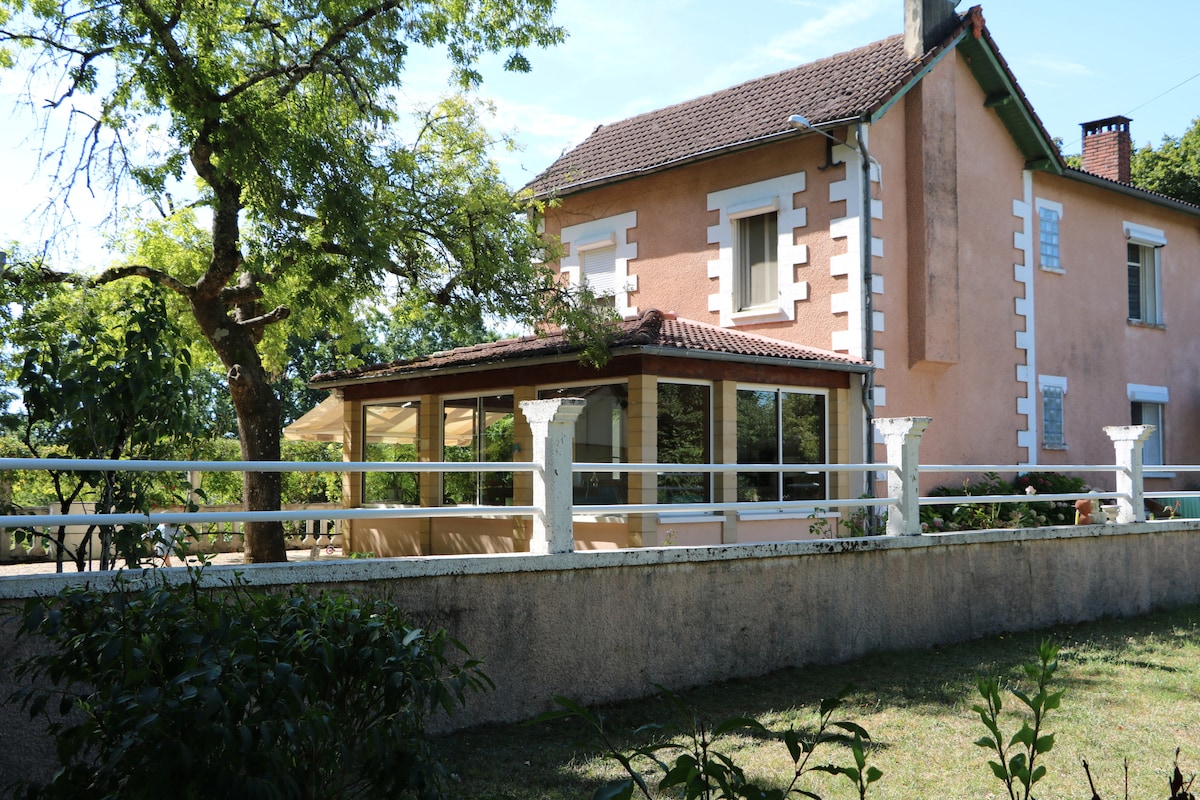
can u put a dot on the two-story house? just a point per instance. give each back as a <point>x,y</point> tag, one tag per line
<point>886,232</point>
<point>902,203</point>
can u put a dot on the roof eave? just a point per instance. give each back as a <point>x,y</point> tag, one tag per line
<point>1004,96</point>
<point>563,358</point>
<point>618,177</point>
<point>1131,191</point>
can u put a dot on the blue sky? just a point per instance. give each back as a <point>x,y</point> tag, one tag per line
<point>1076,61</point>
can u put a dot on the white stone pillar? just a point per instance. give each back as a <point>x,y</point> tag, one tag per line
<point>553,425</point>
<point>1128,441</point>
<point>902,437</point>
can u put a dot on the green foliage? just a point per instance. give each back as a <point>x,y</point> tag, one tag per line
<point>980,516</point>
<point>282,119</point>
<point>1017,764</point>
<point>692,767</point>
<point>105,375</point>
<point>1173,168</point>
<point>176,691</point>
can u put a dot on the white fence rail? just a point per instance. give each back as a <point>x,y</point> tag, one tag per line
<point>552,470</point>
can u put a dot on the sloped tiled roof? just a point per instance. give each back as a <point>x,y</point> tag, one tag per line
<point>846,86</point>
<point>652,329</point>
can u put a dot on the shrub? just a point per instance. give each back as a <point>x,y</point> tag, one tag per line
<point>979,516</point>
<point>173,691</point>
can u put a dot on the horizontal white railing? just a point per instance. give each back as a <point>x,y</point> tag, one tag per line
<point>551,470</point>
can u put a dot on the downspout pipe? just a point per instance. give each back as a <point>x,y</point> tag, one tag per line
<point>860,133</point>
<point>800,122</point>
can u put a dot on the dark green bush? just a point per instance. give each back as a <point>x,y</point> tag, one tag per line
<point>978,516</point>
<point>175,691</point>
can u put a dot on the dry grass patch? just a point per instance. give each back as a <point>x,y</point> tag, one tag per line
<point>1132,692</point>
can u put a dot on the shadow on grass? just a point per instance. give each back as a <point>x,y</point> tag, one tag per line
<point>563,758</point>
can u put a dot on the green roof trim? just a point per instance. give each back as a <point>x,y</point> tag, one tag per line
<point>917,77</point>
<point>1008,101</point>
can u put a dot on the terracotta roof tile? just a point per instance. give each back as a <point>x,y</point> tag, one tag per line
<point>651,329</point>
<point>844,86</point>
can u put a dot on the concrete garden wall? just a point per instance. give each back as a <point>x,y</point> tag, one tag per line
<point>602,626</point>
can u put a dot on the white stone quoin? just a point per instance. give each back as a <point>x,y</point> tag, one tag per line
<point>553,426</point>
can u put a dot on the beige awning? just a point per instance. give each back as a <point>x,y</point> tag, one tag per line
<point>385,423</point>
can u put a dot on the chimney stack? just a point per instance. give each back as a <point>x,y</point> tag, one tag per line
<point>1108,148</point>
<point>927,23</point>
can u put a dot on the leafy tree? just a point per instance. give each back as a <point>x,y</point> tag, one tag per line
<point>283,114</point>
<point>99,375</point>
<point>1173,168</point>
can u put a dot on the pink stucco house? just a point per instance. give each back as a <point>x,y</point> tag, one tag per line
<point>887,232</point>
<point>902,203</point>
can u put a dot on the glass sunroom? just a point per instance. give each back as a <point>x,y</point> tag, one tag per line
<point>673,392</point>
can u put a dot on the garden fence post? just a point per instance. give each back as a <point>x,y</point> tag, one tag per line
<point>553,425</point>
<point>902,438</point>
<point>1128,441</point>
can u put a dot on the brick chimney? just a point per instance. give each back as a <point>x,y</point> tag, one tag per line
<point>927,23</point>
<point>1107,148</point>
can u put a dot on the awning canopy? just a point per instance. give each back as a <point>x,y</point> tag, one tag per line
<point>385,423</point>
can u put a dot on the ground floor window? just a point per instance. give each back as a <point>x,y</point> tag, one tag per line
<point>478,429</point>
<point>390,433</point>
<point>684,437</point>
<point>601,436</point>
<point>1150,414</point>
<point>777,426</point>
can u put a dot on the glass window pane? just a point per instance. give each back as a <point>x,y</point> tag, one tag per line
<point>496,488</point>
<point>390,434</point>
<point>477,429</point>
<point>683,438</point>
<point>600,437</point>
<point>757,443</point>
<point>757,241</point>
<point>803,417</point>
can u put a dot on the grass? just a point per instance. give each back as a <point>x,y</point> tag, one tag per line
<point>1132,695</point>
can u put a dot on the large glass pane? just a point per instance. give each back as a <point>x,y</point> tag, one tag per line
<point>803,418</point>
<point>600,436</point>
<point>683,438</point>
<point>496,411</point>
<point>390,434</point>
<point>477,429</point>
<point>459,434</point>
<point>757,443</point>
<point>757,241</point>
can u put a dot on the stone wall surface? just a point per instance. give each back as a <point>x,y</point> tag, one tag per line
<point>604,626</point>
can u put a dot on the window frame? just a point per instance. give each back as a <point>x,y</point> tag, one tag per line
<point>780,444</point>
<point>1150,242</point>
<point>1051,385</point>
<point>618,481</point>
<point>756,277</point>
<point>708,445</point>
<point>366,477</point>
<point>1141,397</point>
<point>1049,211</point>
<point>478,445</point>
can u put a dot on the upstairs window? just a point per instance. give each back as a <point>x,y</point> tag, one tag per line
<point>756,239</point>
<point>1144,269</point>
<point>1049,216</point>
<point>599,268</point>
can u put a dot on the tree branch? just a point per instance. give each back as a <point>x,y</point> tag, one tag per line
<point>149,273</point>
<point>295,73</point>
<point>279,314</point>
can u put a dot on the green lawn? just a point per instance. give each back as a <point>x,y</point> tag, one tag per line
<point>1132,695</point>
